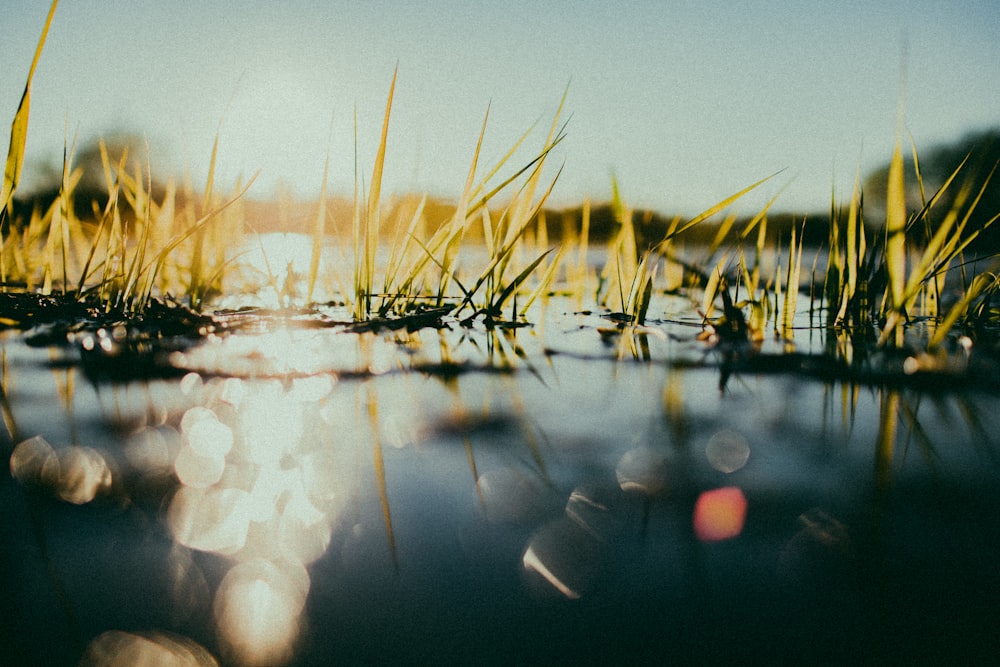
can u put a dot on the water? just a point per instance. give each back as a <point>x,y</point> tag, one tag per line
<point>546,494</point>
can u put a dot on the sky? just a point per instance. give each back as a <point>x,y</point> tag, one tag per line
<point>683,103</point>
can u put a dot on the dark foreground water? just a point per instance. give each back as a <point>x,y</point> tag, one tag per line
<point>542,495</point>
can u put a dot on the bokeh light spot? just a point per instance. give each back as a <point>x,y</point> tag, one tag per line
<point>719,514</point>
<point>85,473</point>
<point>642,470</point>
<point>198,470</point>
<point>35,462</point>
<point>257,610</point>
<point>116,648</point>
<point>727,451</point>
<point>210,519</point>
<point>206,434</point>
<point>564,557</point>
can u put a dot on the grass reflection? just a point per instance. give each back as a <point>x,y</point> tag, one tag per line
<point>885,445</point>
<point>379,462</point>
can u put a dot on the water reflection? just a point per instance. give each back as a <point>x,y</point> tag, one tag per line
<point>727,451</point>
<point>258,485</point>
<point>719,514</point>
<point>116,648</point>
<point>76,474</point>
<point>564,555</point>
<point>297,477</point>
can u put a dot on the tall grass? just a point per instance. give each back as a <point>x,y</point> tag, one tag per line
<point>909,278</point>
<point>138,247</point>
<point>426,271</point>
<point>792,282</point>
<point>19,137</point>
<point>366,228</point>
<point>134,247</point>
<point>894,301</point>
<point>875,283</point>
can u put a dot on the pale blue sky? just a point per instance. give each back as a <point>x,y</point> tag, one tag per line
<point>686,102</point>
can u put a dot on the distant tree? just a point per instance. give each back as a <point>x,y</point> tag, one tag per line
<point>93,184</point>
<point>132,146</point>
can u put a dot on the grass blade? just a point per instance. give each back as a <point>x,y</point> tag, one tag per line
<point>319,233</point>
<point>19,128</point>
<point>543,282</point>
<point>19,137</point>
<point>895,245</point>
<point>367,229</point>
<point>497,304</point>
<point>981,284</point>
<point>708,213</point>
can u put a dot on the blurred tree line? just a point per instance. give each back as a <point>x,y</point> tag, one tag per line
<point>936,166</point>
<point>92,189</point>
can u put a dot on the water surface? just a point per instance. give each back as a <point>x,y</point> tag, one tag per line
<point>553,493</point>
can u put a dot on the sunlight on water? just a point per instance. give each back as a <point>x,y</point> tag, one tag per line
<point>258,608</point>
<point>294,463</point>
<point>273,271</point>
<point>259,485</point>
<point>126,649</point>
<point>287,350</point>
<point>76,474</point>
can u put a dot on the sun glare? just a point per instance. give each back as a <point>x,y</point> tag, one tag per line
<point>272,271</point>
<point>247,457</point>
<point>257,611</point>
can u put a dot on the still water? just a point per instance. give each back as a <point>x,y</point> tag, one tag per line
<point>549,494</point>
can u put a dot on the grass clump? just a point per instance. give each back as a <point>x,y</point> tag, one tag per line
<point>424,271</point>
<point>914,268</point>
<point>138,249</point>
<point>134,249</point>
<point>903,272</point>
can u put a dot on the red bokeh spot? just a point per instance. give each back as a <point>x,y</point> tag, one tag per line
<point>719,514</point>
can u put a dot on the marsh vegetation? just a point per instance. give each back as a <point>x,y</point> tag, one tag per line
<point>393,429</point>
